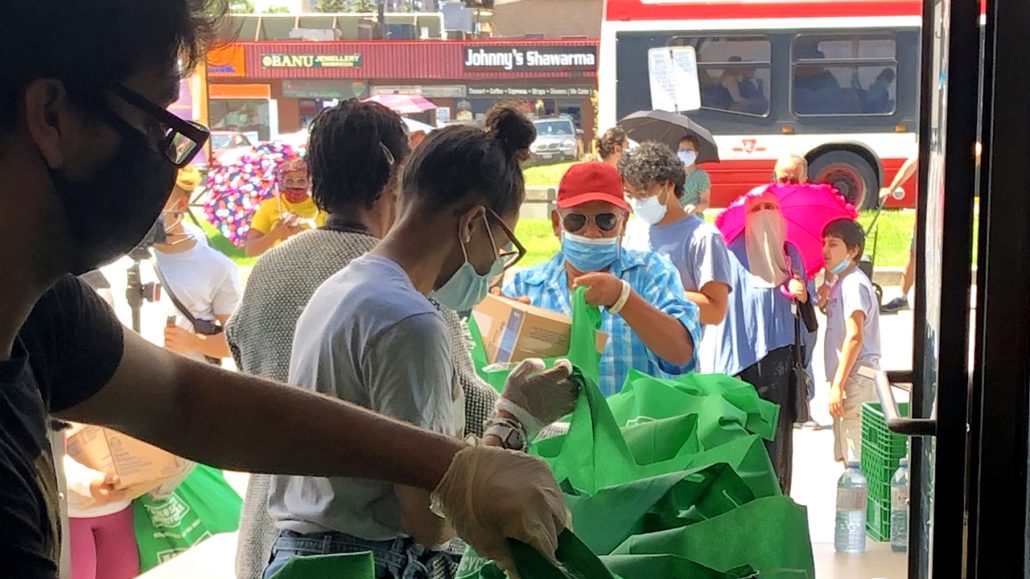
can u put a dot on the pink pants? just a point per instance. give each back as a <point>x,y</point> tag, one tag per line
<point>104,547</point>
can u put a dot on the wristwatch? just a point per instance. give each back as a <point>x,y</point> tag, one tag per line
<point>511,433</point>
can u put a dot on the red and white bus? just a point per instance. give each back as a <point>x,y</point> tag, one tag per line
<point>836,81</point>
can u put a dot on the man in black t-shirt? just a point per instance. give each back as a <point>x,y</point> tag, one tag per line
<point>88,155</point>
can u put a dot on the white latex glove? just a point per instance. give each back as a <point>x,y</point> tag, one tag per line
<point>489,494</point>
<point>536,397</point>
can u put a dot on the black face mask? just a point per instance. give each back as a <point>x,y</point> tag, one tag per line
<point>110,213</point>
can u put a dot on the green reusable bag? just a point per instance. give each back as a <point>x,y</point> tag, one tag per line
<point>575,559</point>
<point>662,566</point>
<point>203,505</point>
<point>769,534</point>
<point>577,562</point>
<point>586,319</point>
<point>341,565</point>
<point>596,454</point>
<point>725,405</point>
<point>606,519</point>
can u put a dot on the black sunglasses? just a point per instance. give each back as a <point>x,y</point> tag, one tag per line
<point>574,222</point>
<point>512,251</point>
<point>179,140</point>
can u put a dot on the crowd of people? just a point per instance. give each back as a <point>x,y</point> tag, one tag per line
<point>370,251</point>
<point>408,242</point>
<point>89,154</point>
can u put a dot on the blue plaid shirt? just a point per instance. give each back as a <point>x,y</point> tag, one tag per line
<point>653,277</point>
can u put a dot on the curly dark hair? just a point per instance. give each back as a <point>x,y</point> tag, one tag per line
<point>650,164</point>
<point>346,156</point>
<point>461,161</point>
<point>611,139</point>
<point>90,45</point>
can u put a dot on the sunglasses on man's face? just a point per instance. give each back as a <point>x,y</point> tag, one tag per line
<point>177,139</point>
<point>575,222</point>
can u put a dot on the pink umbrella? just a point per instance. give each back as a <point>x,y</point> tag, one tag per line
<point>236,189</point>
<point>403,104</point>
<point>808,208</point>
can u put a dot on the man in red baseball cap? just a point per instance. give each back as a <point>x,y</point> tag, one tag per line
<point>651,325</point>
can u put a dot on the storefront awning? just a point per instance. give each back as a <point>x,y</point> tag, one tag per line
<point>488,60</point>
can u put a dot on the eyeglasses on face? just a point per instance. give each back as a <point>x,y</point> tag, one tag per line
<point>511,252</point>
<point>575,222</point>
<point>177,139</point>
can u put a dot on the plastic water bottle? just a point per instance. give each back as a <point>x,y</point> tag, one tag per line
<point>852,493</point>
<point>899,508</point>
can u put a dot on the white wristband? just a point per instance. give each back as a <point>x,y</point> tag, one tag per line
<point>623,298</point>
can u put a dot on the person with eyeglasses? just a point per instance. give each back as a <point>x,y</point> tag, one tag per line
<point>651,325</point>
<point>88,156</point>
<point>372,335</point>
<point>356,154</point>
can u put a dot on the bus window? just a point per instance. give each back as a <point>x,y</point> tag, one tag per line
<point>838,75</point>
<point>733,72</point>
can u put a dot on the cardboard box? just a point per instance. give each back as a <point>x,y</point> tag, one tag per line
<point>140,466</point>
<point>513,331</point>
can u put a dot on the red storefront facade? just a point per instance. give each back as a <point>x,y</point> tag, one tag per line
<point>275,88</point>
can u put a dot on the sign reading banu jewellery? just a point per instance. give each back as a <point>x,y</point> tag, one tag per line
<point>527,59</point>
<point>311,60</point>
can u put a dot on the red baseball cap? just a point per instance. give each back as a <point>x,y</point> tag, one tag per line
<point>593,181</point>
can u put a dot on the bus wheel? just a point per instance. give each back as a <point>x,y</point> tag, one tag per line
<point>849,173</point>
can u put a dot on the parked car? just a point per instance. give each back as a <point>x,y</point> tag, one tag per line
<point>228,146</point>
<point>224,140</point>
<point>557,139</point>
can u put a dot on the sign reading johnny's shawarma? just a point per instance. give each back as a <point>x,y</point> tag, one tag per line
<point>536,58</point>
<point>311,60</point>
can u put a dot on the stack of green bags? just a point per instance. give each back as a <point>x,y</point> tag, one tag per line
<point>669,478</point>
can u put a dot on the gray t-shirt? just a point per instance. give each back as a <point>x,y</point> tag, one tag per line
<point>368,337</point>
<point>852,293</point>
<point>697,249</point>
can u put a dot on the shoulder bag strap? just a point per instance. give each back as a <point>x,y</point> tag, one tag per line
<point>171,295</point>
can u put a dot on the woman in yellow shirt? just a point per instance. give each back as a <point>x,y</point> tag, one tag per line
<point>288,213</point>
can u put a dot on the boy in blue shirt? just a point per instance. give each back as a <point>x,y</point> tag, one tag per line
<point>654,178</point>
<point>852,338</point>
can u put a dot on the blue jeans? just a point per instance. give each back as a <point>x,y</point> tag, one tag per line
<point>400,558</point>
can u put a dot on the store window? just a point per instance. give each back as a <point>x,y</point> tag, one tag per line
<point>734,73</point>
<point>844,75</point>
<point>244,116</point>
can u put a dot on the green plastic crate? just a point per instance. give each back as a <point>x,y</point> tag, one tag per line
<point>875,433</point>
<point>882,452</point>
<point>878,520</point>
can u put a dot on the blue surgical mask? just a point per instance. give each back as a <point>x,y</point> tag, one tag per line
<point>840,267</point>
<point>687,157</point>
<point>650,209</point>
<point>467,287</point>
<point>588,254</point>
